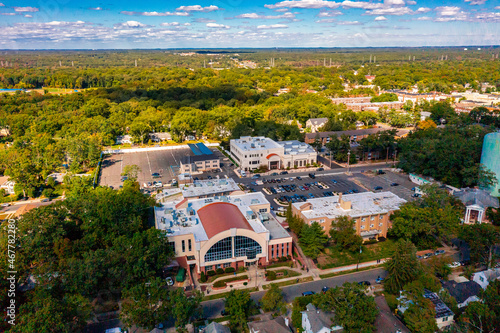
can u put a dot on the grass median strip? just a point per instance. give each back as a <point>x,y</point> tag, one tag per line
<point>288,283</point>
<point>329,275</point>
<point>223,295</point>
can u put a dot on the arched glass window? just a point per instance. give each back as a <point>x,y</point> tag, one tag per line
<point>219,251</point>
<point>246,247</point>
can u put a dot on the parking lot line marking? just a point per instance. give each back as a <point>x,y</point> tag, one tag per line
<point>150,171</point>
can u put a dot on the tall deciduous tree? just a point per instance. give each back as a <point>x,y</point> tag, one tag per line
<point>238,305</point>
<point>273,300</point>
<point>146,304</point>
<point>184,307</point>
<point>343,234</point>
<point>403,267</point>
<point>347,303</point>
<point>481,238</point>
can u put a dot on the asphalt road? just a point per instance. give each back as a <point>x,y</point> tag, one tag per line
<point>214,307</point>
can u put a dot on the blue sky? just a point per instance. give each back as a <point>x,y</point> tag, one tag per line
<point>66,24</point>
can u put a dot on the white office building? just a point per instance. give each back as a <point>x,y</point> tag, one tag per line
<point>252,152</point>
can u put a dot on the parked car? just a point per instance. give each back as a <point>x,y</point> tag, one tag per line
<point>320,169</point>
<point>5,204</point>
<point>155,175</point>
<point>298,178</point>
<point>379,279</point>
<point>454,264</point>
<point>274,174</point>
<point>364,283</point>
<point>394,184</point>
<point>311,195</point>
<point>308,293</point>
<point>428,255</point>
<point>415,195</point>
<point>45,200</point>
<point>438,252</point>
<point>325,289</point>
<point>381,172</point>
<point>169,281</point>
<point>284,173</point>
<point>123,178</point>
<point>334,181</point>
<point>378,188</point>
<point>312,176</point>
<point>256,176</point>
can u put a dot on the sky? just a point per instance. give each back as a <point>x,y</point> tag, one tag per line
<point>127,24</point>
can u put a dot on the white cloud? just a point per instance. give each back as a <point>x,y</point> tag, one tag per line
<point>8,14</point>
<point>314,4</point>
<point>2,5</point>
<point>423,10</point>
<point>448,10</point>
<point>329,20</point>
<point>95,8</point>
<point>380,18</point>
<point>187,24</point>
<point>424,18</point>
<point>394,2</point>
<point>130,24</point>
<point>411,2</point>
<point>391,11</point>
<point>476,2</point>
<point>330,13</point>
<point>25,9</point>
<point>273,26</point>
<point>198,8</point>
<point>349,23</point>
<point>154,13</point>
<point>281,10</point>
<point>170,24</point>
<point>216,25</point>
<point>203,20</point>
<point>28,16</point>
<point>287,15</point>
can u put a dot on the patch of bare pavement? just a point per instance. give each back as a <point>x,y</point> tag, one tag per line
<point>386,321</point>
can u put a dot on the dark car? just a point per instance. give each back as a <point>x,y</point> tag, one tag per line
<point>274,174</point>
<point>320,169</point>
<point>312,176</point>
<point>334,181</point>
<point>381,172</point>
<point>394,184</point>
<point>256,176</point>
<point>365,283</point>
<point>378,188</point>
<point>308,293</point>
<point>209,177</point>
<point>415,195</point>
<point>284,173</point>
<point>299,178</point>
<point>123,178</point>
<point>325,289</point>
<point>355,191</point>
<point>155,175</point>
<point>379,279</point>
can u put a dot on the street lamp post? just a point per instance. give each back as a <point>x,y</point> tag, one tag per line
<point>359,257</point>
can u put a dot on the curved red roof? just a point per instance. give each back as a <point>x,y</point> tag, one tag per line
<point>271,155</point>
<point>221,216</point>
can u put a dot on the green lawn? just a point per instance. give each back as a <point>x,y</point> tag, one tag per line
<point>223,295</point>
<point>332,257</point>
<point>288,283</point>
<point>286,274</point>
<point>329,275</point>
<point>287,263</point>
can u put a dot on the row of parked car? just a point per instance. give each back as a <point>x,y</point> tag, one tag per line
<point>295,198</point>
<point>430,254</point>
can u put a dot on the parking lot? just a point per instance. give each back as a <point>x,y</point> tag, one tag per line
<point>164,162</point>
<point>305,187</point>
<point>403,189</point>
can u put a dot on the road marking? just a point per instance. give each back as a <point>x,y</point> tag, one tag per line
<point>150,171</point>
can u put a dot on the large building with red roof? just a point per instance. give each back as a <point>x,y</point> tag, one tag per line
<point>223,231</point>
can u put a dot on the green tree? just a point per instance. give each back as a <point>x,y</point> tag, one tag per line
<point>347,302</point>
<point>185,307</point>
<point>131,171</point>
<point>312,239</point>
<point>403,267</point>
<point>273,300</point>
<point>238,305</point>
<point>46,313</point>
<point>479,317</point>
<point>482,239</point>
<point>146,304</point>
<point>343,234</point>
<point>420,316</point>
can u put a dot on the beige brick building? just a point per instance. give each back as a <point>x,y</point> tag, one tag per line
<point>369,210</point>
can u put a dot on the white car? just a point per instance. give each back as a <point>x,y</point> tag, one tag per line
<point>454,264</point>
<point>169,281</point>
<point>159,184</point>
<point>5,204</point>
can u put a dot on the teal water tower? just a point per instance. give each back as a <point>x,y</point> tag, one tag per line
<point>490,158</point>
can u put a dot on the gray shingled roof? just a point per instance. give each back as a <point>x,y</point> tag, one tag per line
<point>462,291</point>
<point>318,318</point>
<point>276,325</point>
<point>473,196</point>
<point>214,327</point>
